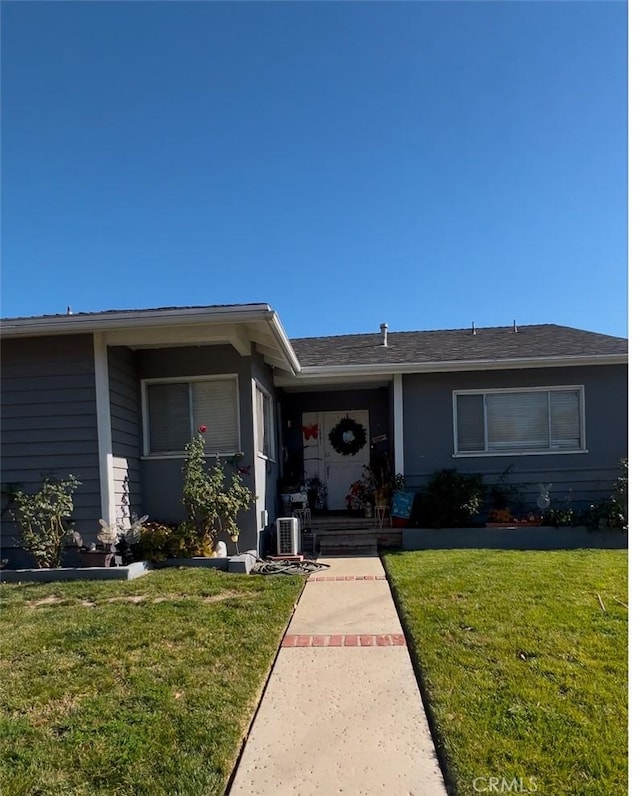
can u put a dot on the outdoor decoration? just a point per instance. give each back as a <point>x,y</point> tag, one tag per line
<point>310,432</point>
<point>348,437</point>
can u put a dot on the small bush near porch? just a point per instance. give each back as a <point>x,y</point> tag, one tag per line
<point>526,675</point>
<point>141,687</point>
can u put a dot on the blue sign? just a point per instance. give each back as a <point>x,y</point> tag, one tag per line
<point>401,504</point>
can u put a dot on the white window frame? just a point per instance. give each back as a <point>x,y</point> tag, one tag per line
<point>184,380</point>
<point>266,395</point>
<point>491,391</point>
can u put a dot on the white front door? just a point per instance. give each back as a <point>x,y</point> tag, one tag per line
<point>341,470</point>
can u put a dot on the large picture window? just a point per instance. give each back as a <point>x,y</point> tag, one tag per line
<point>175,410</point>
<point>547,420</point>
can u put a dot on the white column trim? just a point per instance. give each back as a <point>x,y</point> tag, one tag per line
<point>256,463</point>
<point>398,424</point>
<point>103,417</point>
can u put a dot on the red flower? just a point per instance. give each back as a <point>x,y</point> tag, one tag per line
<point>202,429</point>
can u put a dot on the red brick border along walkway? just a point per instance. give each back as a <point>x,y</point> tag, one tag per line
<point>362,640</point>
<point>316,578</point>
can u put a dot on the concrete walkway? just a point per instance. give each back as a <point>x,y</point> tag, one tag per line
<point>342,713</point>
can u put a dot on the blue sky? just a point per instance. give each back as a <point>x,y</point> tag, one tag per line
<point>424,164</point>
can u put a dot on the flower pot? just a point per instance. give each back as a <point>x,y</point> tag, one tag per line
<point>95,558</point>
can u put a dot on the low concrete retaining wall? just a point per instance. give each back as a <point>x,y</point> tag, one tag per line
<point>524,538</point>
<point>130,572</point>
<point>242,564</point>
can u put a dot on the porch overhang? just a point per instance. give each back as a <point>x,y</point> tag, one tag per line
<point>241,326</point>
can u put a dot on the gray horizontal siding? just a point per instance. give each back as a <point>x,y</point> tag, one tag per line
<point>124,403</point>
<point>67,392</point>
<point>25,435</point>
<point>162,479</point>
<point>48,416</point>
<point>69,403</point>
<point>578,479</point>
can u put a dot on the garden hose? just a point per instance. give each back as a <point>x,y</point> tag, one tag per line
<point>268,567</point>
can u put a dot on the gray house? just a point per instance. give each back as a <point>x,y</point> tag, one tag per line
<point>113,397</point>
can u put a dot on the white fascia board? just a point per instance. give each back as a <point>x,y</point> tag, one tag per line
<point>66,324</point>
<point>279,333</point>
<point>322,372</point>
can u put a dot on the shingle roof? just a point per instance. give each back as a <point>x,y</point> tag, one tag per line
<point>494,343</point>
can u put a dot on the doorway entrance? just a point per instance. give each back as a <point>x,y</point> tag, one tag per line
<point>321,459</point>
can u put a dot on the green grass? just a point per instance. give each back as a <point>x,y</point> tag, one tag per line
<point>525,675</point>
<point>141,687</point>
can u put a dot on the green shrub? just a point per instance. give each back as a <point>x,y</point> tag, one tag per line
<point>42,519</point>
<point>152,544</point>
<point>159,541</point>
<point>614,511</point>
<point>212,500</point>
<point>449,500</point>
<point>561,518</point>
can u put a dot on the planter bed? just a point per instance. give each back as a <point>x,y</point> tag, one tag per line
<point>129,572</point>
<point>240,564</point>
<point>508,537</point>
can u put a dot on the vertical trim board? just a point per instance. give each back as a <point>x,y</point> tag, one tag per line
<point>398,424</point>
<point>103,419</point>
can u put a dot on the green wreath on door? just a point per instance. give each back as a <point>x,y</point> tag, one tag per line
<point>348,436</point>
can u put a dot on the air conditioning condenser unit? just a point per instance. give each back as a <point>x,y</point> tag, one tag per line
<point>288,533</point>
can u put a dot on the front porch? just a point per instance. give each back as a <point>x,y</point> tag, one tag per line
<point>330,435</point>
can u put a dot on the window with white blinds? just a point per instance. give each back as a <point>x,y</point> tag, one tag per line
<point>519,421</point>
<point>177,409</point>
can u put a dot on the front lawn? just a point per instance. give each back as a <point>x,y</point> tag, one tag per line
<point>140,687</point>
<point>525,674</point>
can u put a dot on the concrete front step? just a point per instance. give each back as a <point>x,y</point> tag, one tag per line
<point>336,543</point>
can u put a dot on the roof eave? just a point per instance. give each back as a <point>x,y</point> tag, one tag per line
<point>122,322</point>
<point>98,322</point>
<point>321,372</point>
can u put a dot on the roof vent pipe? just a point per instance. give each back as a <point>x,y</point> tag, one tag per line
<point>515,328</point>
<point>383,331</point>
<point>473,327</point>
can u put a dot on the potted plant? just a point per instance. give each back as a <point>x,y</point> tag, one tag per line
<point>115,542</point>
<point>316,493</point>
